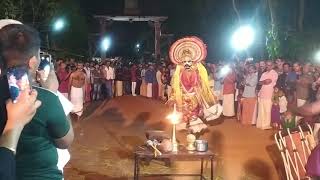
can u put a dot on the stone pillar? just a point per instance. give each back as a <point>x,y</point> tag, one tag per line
<point>103,25</point>
<point>157,38</point>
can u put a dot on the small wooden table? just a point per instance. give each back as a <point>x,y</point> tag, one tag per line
<point>181,155</point>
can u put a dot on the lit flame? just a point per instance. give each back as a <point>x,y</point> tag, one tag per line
<point>175,116</point>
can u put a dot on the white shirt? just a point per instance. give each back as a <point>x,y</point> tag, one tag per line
<point>250,87</point>
<point>109,73</point>
<point>88,73</point>
<point>267,90</point>
<point>158,76</point>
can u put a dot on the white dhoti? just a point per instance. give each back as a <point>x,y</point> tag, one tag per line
<point>213,112</point>
<point>195,126</point>
<point>77,100</point>
<point>133,88</point>
<point>228,105</point>
<point>149,90</point>
<point>119,88</point>
<point>264,113</point>
<point>300,102</point>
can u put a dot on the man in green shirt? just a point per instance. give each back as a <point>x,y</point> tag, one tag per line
<point>50,128</point>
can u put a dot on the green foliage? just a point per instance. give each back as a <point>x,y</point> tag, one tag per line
<point>34,12</point>
<point>273,43</point>
<point>9,9</point>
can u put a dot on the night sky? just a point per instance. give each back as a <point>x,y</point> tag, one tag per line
<point>213,21</point>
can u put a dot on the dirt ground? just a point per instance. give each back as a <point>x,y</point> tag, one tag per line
<point>109,131</point>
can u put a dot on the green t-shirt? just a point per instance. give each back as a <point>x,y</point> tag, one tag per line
<point>36,153</point>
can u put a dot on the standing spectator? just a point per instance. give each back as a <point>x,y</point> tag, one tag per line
<point>217,82</point>
<point>119,81</point>
<point>96,76</point>
<point>303,87</point>
<point>155,86</point>
<point>134,79</point>
<point>267,81</point>
<point>291,83</point>
<point>228,94</point>
<point>159,74</point>
<point>166,82</point>
<point>249,101</point>
<point>139,79</point>
<point>281,82</point>
<point>109,76</point>
<point>87,70</point>
<point>261,70</point>
<point>279,66</point>
<point>150,78</point>
<point>171,69</point>
<point>257,65</point>
<point>77,90</point>
<point>63,77</point>
<point>126,80</point>
<point>143,87</point>
<point>276,110</point>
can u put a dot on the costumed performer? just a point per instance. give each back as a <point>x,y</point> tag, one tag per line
<point>190,85</point>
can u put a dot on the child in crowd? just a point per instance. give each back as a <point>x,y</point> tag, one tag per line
<point>279,106</point>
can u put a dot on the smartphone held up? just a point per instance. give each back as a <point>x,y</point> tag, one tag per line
<point>44,66</point>
<point>18,81</point>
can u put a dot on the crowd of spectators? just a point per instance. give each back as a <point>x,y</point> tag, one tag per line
<point>256,93</point>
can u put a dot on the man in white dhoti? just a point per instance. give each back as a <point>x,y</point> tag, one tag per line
<point>228,94</point>
<point>267,81</point>
<point>77,87</point>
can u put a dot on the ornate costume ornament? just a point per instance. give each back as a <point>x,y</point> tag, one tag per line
<point>188,49</point>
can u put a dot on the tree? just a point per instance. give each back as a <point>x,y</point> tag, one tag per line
<point>9,10</point>
<point>301,15</point>
<point>36,13</point>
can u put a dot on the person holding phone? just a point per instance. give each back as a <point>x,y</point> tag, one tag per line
<point>19,114</point>
<point>50,128</point>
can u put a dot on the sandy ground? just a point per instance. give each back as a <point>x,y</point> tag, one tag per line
<point>109,131</point>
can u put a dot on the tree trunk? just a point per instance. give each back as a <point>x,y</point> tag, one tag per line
<point>272,14</point>
<point>301,15</point>
<point>236,9</point>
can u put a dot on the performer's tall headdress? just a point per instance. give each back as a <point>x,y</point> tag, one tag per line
<point>190,49</point>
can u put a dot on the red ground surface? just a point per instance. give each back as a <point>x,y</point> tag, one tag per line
<point>109,131</point>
